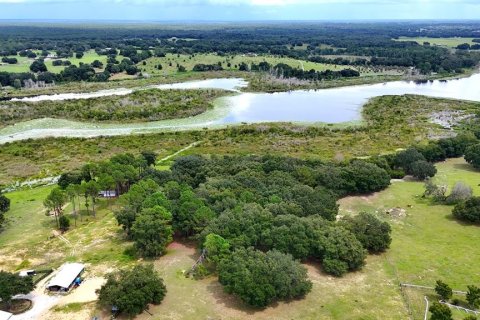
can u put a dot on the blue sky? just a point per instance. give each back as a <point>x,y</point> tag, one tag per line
<point>239,10</point>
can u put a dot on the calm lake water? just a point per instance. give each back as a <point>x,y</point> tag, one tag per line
<point>327,105</point>
<point>338,104</point>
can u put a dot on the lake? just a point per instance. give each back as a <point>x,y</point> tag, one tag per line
<point>334,105</point>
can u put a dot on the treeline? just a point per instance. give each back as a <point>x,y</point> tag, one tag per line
<point>370,40</point>
<point>145,105</point>
<point>282,70</point>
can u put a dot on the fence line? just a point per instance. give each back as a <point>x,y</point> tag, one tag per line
<point>429,288</point>
<point>426,308</point>
<point>475,312</point>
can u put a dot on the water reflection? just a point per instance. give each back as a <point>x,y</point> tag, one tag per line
<point>339,104</point>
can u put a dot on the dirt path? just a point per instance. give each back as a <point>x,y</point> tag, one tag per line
<point>179,151</point>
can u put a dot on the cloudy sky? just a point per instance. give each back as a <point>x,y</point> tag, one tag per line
<point>239,10</point>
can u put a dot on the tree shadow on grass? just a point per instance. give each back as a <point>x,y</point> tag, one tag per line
<point>465,167</point>
<point>230,301</point>
<point>450,217</point>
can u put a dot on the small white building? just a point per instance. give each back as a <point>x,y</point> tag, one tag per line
<point>65,278</point>
<point>5,315</point>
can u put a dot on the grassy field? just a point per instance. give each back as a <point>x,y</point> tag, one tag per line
<point>446,42</point>
<point>27,239</point>
<point>428,244</point>
<point>24,63</point>
<point>170,61</point>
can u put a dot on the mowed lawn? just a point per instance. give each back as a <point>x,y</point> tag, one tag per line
<point>428,244</point>
<point>446,42</point>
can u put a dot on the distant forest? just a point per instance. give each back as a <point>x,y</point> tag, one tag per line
<point>316,42</point>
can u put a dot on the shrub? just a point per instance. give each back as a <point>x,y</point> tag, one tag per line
<point>372,233</point>
<point>443,290</point>
<point>64,223</point>
<point>422,170</point>
<point>460,192</point>
<point>440,312</point>
<point>468,211</point>
<point>472,155</point>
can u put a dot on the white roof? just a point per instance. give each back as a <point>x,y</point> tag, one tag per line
<point>68,272</point>
<point>5,315</point>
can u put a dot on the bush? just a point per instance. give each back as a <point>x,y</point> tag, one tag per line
<point>341,250</point>
<point>472,155</point>
<point>64,223</point>
<point>473,296</point>
<point>405,159</point>
<point>443,290</point>
<point>372,233</point>
<point>423,170</point>
<point>440,312</point>
<point>132,290</point>
<point>468,211</point>
<point>367,177</point>
<point>261,278</point>
<point>460,192</point>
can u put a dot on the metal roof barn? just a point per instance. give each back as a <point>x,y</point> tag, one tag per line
<point>65,277</point>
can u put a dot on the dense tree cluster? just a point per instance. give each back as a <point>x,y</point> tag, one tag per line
<point>274,209</point>
<point>131,291</point>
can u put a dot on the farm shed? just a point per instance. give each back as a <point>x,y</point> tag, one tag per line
<point>5,315</point>
<point>65,278</point>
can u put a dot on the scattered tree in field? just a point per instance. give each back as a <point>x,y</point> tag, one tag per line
<point>370,231</point>
<point>473,296</point>
<point>440,312</point>
<point>150,157</point>
<point>132,290</point>
<point>12,284</point>
<point>341,251</point>
<point>470,317</point>
<point>4,207</point>
<point>443,290</point>
<point>468,211</point>
<point>405,159</point>
<point>38,66</point>
<point>91,190</point>
<point>97,64</point>
<point>472,155</point>
<point>63,223</point>
<point>422,170</point>
<point>261,278</point>
<point>460,192</point>
<point>152,231</point>
<point>54,202</point>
